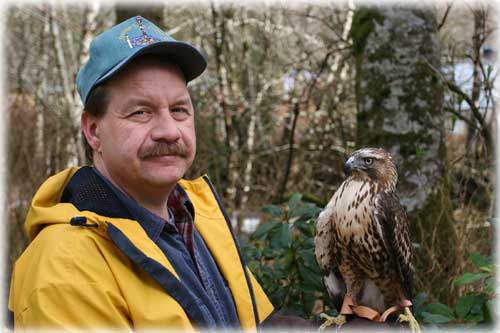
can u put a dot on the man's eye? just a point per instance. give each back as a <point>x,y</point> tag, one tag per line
<point>138,113</point>
<point>177,110</point>
<point>180,113</point>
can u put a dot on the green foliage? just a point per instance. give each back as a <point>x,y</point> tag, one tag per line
<point>474,307</point>
<point>281,255</point>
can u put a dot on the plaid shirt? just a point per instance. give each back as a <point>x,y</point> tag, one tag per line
<point>181,213</point>
<point>181,216</point>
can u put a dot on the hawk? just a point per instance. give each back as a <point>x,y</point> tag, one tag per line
<point>362,241</point>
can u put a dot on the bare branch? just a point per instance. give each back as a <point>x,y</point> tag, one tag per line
<point>461,117</point>
<point>485,131</point>
<point>445,16</point>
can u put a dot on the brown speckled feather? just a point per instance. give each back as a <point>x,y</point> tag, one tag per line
<point>395,224</point>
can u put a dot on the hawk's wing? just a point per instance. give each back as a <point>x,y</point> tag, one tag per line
<point>323,240</point>
<point>395,225</point>
<point>325,250</point>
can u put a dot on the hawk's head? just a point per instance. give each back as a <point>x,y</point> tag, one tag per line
<point>373,163</point>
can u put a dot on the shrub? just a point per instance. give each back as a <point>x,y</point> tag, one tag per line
<point>475,306</point>
<point>281,255</point>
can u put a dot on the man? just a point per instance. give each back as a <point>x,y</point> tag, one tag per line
<point>126,244</point>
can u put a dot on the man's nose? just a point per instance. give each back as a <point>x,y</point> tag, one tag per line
<point>165,127</point>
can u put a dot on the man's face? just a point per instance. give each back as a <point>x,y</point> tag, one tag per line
<point>146,140</point>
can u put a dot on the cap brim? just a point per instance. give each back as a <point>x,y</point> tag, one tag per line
<point>191,62</point>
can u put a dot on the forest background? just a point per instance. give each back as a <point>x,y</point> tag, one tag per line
<point>289,93</point>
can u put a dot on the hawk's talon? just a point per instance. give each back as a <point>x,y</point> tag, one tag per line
<point>410,319</point>
<point>338,320</point>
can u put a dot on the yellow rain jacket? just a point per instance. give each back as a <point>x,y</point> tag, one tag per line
<point>83,270</point>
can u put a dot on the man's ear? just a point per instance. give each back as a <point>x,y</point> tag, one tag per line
<point>91,130</point>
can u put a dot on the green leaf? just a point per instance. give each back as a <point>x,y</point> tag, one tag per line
<point>264,229</point>
<point>489,285</point>
<point>309,300</point>
<point>267,270</point>
<point>294,309</point>
<point>307,229</point>
<point>431,318</point>
<point>307,289</point>
<point>249,252</point>
<point>419,300</point>
<point>475,317</point>
<point>468,278</point>
<point>307,255</point>
<point>253,265</point>
<point>288,259</point>
<point>275,242</point>
<point>441,309</point>
<point>479,301</point>
<point>490,305</point>
<point>478,260</point>
<point>280,297</point>
<point>268,252</point>
<point>464,304</point>
<point>274,210</point>
<point>294,200</point>
<point>476,311</point>
<point>487,269</point>
<point>309,243</point>
<point>306,212</point>
<point>285,235</point>
<point>488,311</point>
<point>310,278</point>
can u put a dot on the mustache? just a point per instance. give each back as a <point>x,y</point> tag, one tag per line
<point>164,148</point>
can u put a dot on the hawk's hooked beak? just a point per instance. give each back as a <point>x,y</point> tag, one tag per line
<point>348,166</point>
<point>351,164</point>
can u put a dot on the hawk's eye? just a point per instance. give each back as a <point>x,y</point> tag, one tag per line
<point>368,161</point>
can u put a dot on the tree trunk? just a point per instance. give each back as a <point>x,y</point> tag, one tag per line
<point>477,43</point>
<point>226,103</point>
<point>89,26</point>
<point>399,106</point>
<point>399,102</point>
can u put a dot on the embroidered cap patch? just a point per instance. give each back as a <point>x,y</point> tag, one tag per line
<point>142,40</point>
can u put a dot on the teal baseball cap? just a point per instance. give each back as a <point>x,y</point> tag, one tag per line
<point>113,49</point>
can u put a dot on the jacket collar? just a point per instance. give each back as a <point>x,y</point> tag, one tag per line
<point>89,190</point>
